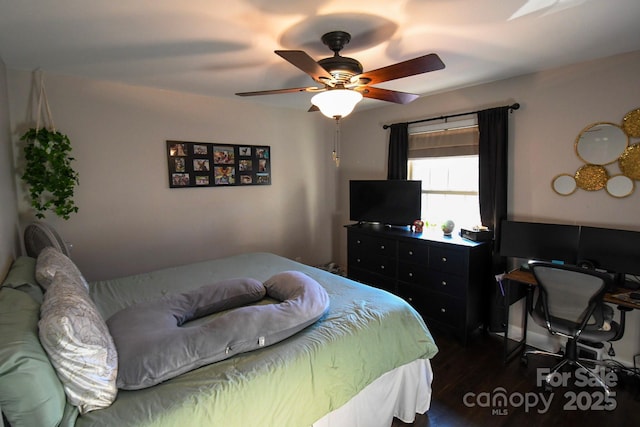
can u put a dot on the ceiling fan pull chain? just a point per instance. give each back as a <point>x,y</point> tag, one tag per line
<point>335,155</point>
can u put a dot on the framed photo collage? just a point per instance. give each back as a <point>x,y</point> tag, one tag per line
<point>204,164</point>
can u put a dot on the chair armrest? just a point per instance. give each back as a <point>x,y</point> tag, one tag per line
<point>623,310</point>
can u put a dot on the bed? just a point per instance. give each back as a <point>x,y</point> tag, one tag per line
<point>364,362</point>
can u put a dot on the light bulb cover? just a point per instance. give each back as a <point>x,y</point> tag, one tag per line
<point>336,102</point>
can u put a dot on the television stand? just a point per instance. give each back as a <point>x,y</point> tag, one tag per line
<point>446,279</point>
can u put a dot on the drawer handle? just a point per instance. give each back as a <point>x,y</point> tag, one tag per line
<point>410,299</point>
<point>358,260</point>
<point>444,283</point>
<point>381,246</point>
<point>358,241</point>
<point>410,252</point>
<point>410,274</point>
<point>382,267</point>
<point>443,310</point>
<point>444,259</point>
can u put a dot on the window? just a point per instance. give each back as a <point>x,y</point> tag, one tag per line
<point>446,161</point>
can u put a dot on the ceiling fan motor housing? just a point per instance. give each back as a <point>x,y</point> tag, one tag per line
<point>340,67</point>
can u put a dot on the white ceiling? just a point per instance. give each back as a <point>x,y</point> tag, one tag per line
<point>226,46</point>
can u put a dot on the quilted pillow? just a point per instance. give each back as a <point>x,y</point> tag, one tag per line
<point>50,261</point>
<point>79,345</point>
<point>30,392</point>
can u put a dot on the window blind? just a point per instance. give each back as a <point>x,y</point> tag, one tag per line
<point>444,142</point>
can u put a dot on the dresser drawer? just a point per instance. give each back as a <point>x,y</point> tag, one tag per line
<point>432,280</point>
<point>448,260</point>
<point>443,308</point>
<point>413,273</point>
<point>413,252</point>
<point>375,263</point>
<point>369,278</point>
<point>446,283</point>
<point>366,244</point>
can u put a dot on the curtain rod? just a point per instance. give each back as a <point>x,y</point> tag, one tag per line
<point>512,107</point>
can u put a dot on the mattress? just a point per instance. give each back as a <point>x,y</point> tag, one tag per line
<point>366,333</point>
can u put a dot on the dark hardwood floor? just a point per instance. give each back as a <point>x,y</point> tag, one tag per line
<point>467,376</point>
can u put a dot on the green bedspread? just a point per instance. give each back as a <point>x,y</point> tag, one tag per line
<point>366,333</point>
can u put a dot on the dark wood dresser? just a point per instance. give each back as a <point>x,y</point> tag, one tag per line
<point>443,278</point>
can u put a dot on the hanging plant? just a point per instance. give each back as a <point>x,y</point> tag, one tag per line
<point>48,172</point>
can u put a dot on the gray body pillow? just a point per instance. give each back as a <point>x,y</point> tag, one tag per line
<point>153,346</point>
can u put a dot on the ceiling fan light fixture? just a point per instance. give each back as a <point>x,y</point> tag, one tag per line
<point>336,102</point>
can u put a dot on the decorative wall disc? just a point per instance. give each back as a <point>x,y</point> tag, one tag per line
<point>591,177</point>
<point>620,186</point>
<point>564,184</point>
<point>631,123</point>
<point>629,162</point>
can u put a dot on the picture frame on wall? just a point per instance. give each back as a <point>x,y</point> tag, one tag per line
<point>205,164</point>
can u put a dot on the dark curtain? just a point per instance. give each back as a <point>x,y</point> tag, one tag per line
<point>398,151</point>
<point>493,126</point>
<point>493,167</point>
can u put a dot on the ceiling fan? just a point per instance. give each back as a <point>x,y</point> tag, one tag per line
<point>343,76</point>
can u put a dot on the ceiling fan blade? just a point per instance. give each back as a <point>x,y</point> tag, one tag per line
<point>278,91</point>
<point>411,67</point>
<point>386,94</point>
<point>307,64</point>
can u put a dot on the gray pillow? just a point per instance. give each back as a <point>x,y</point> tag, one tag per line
<point>153,347</point>
<point>50,261</point>
<point>30,392</point>
<point>78,343</point>
<point>21,276</point>
<point>304,302</point>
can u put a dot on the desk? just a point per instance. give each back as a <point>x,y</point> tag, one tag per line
<point>619,297</point>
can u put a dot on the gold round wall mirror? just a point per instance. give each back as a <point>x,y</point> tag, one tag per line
<point>601,143</point>
<point>620,186</point>
<point>564,184</point>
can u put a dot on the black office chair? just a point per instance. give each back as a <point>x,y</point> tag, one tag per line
<point>569,303</point>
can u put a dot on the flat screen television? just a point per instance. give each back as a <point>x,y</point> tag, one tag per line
<point>540,241</point>
<point>389,202</point>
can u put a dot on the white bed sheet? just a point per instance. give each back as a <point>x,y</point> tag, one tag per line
<point>402,393</point>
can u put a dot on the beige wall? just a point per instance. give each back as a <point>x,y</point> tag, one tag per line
<point>9,236</point>
<point>130,221</point>
<point>555,106</point>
